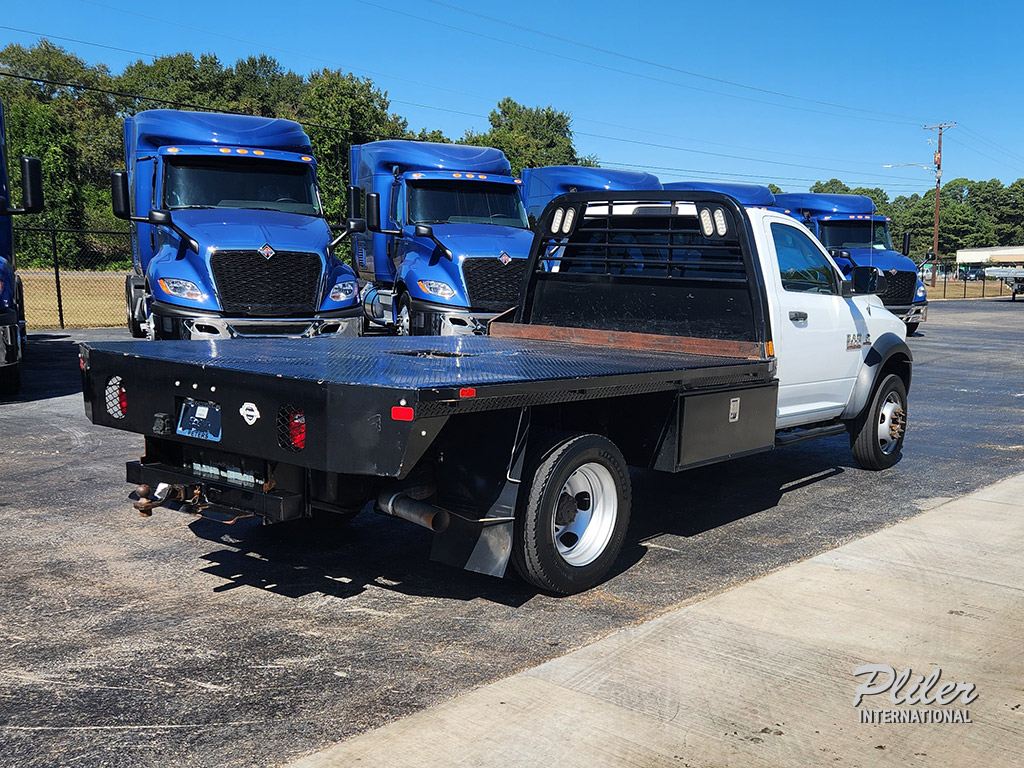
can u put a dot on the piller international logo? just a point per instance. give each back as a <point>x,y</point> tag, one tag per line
<point>914,698</point>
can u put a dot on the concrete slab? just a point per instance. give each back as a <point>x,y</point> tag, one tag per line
<point>762,674</point>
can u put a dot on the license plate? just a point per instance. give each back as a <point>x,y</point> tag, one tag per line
<point>200,419</point>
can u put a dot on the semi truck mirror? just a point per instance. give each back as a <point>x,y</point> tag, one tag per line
<point>119,199</point>
<point>355,197</point>
<point>355,225</point>
<point>31,185</point>
<point>427,231</point>
<point>161,218</point>
<point>373,212</point>
<point>906,244</point>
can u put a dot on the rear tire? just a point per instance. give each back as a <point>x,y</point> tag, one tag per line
<point>573,515</point>
<point>10,380</point>
<point>876,437</point>
<point>912,328</point>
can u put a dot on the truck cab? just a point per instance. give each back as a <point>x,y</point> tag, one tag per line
<point>447,236</point>
<point>228,231</point>
<point>544,184</point>
<point>12,297</point>
<point>849,227</point>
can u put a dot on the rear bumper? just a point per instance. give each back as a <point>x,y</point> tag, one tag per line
<point>175,322</point>
<point>10,343</point>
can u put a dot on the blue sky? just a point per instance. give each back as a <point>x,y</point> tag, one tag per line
<point>740,91</point>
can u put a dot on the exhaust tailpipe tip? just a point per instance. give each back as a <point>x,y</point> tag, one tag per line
<point>411,510</point>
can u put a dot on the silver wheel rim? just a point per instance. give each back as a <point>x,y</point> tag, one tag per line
<point>892,423</point>
<point>585,514</point>
<point>402,324</point>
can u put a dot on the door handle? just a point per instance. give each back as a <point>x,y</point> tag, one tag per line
<point>798,317</point>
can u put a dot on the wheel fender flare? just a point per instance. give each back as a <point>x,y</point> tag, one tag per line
<point>885,348</point>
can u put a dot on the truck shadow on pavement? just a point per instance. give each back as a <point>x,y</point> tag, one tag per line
<point>326,556</point>
<point>49,367</point>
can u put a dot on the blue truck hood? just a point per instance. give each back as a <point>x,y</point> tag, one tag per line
<point>236,229</point>
<point>484,240</point>
<point>884,260</point>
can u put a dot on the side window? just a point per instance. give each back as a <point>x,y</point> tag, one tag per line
<point>397,204</point>
<point>802,266</point>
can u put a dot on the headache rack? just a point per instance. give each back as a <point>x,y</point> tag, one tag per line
<point>670,263</point>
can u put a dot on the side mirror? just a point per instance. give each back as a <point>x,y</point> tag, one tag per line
<point>373,212</point>
<point>906,244</point>
<point>867,280</point>
<point>355,196</point>
<point>119,198</point>
<point>355,226</point>
<point>837,253</point>
<point>31,185</point>
<point>427,231</point>
<point>161,218</point>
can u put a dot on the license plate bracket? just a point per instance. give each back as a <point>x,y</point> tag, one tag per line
<point>200,419</point>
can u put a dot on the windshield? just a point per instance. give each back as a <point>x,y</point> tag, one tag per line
<point>466,202</point>
<point>275,185</point>
<point>855,234</point>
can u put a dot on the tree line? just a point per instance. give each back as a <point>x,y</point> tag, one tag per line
<point>70,114</point>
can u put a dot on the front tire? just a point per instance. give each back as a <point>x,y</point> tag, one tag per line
<point>876,438</point>
<point>572,519</point>
<point>130,299</point>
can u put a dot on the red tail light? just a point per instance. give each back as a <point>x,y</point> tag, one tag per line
<point>297,430</point>
<point>402,413</point>
<point>115,398</point>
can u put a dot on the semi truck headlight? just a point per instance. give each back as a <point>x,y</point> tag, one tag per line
<point>921,290</point>
<point>183,289</point>
<point>343,290</point>
<point>437,288</point>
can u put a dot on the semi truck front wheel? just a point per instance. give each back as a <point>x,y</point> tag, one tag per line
<point>573,514</point>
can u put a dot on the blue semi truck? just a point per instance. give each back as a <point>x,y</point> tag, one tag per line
<point>542,185</point>
<point>228,231</point>
<point>850,228</point>
<point>12,297</point>
<point>446,235</point>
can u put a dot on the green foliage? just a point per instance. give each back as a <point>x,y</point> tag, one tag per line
<point>775,189</point>
<point>530,137</point>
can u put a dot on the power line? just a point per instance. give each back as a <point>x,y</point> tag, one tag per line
<point>978,151</point>
<point>992,144</point>
<point>621,71</point>
<point>661,65</point>
<point>80,42</point>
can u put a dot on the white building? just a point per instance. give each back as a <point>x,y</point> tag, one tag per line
<point>1010,254</point>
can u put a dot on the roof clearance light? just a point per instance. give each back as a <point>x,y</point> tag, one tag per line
<point>518,181</point>
<point>258,152</point>
<point>242,151</point>
<point>556,220</point>
<point>480,176</point>
<point>457,175</point>
<point>470,176</point>
<point>307,158</point>
<point>707,225</point>
<point>417,175</point>
<point>173,150</point>
<point>721,227</point>
<point>402,413</point>
<point>570,215</point>
<point>225,150</point>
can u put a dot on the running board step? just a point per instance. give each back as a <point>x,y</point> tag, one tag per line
<point>802,435</point>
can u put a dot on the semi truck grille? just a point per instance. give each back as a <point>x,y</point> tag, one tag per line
<point>900,288</point>
<point>492,285</point>
<point>249,284</point>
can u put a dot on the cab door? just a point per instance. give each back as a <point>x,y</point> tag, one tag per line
<point>815,330</point>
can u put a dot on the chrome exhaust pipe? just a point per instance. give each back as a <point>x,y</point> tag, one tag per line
<point>399,504</point>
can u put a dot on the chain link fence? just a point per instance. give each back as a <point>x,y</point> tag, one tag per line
<point>73,278</point>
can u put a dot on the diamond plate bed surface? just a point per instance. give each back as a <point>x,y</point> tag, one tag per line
<point>413,362</point>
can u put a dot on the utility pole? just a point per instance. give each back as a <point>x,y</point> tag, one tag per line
<point>938,188</point>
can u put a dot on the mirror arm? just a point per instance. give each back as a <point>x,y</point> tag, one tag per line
<point>337,240</point>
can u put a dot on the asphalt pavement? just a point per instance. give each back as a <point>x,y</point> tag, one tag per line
<point>172,641</point>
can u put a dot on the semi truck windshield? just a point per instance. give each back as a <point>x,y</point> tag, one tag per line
<point>241,183</point>
<point>466,202</point>
<point>855,234</point>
